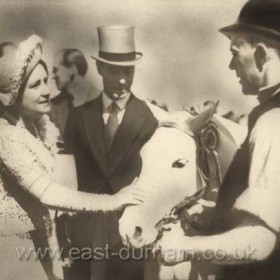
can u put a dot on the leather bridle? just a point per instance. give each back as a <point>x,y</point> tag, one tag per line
<point>179,211</point>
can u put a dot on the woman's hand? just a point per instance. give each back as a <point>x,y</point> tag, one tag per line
<point>130,195</point>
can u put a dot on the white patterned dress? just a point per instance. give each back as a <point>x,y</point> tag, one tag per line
<point>23,218</point>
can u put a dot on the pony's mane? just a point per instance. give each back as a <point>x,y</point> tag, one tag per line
<point>177,120</point>
<point>232,129</point>
<point>178,117</point>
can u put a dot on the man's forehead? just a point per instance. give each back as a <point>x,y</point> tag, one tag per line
<point>238,40</point>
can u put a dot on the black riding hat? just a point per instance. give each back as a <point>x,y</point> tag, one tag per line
<point>258,16</point>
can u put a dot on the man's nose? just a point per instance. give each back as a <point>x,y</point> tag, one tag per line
<point>122,81</point>
<point>231,65</point>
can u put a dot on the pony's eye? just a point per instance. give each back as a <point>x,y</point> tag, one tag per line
<point>180,163</point>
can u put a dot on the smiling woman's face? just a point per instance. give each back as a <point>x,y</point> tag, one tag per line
<point>36,95</point>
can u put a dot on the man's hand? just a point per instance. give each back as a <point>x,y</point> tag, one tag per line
<point>173,248</point>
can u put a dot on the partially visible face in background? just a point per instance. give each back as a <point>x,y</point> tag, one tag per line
<point>62,75</point>
<point>7,65</point>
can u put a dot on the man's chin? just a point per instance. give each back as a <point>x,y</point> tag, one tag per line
<point>118,95</point>
<point>249,91</point>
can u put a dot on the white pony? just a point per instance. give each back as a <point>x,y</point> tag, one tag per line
<point>170,172</point>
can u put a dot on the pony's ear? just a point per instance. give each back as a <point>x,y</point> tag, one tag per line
<point>201,120</point>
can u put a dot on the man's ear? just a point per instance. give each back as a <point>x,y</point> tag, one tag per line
<point>261,55</point>
<point>74,69</point>
<point>99,66</point>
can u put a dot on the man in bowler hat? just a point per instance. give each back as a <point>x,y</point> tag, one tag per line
<point>247,222</point>
<point>106,135</point>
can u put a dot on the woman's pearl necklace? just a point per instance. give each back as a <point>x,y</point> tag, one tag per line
<point>36,132</point>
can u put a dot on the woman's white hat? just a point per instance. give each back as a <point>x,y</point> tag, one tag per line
<point>28,56</point>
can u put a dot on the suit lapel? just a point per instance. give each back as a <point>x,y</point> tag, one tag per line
<point>134,118</point>
<point>93,122</point>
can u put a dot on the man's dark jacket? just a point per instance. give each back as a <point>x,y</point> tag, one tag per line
<point>106,172</point>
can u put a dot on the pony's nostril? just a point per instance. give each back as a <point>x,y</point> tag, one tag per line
<point>137,232</point>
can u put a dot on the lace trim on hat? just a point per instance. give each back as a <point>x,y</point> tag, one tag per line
<point>28,55</point>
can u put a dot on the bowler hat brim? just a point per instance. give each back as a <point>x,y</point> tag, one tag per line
<point>137,59</point>
<point>250,28</point>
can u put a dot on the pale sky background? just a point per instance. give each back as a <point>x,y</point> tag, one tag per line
<point>185,57</point>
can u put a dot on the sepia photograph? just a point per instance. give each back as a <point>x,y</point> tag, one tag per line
<point>138,139</point>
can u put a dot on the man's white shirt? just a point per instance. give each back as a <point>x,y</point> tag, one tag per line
<point>106,101</point>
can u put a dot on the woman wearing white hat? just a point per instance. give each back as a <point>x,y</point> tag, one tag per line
<point>27,153</point>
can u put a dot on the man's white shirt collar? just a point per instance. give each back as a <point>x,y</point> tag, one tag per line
<point>106,101</point>
<point>268,92</point>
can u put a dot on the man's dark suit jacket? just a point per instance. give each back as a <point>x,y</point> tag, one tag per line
<point>106,172</point>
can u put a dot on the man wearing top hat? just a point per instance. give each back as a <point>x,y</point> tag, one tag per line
<point>247,224</point>
<point>106,135</point>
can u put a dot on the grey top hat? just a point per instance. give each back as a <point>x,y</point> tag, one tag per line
<point>116,45</point>
<point>258,16</point>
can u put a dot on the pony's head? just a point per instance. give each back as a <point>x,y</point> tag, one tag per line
<point>169,172</point>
